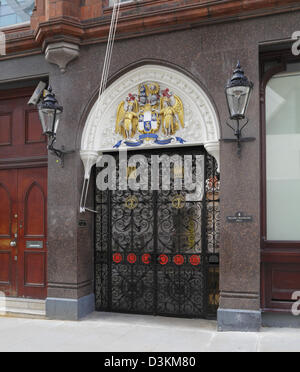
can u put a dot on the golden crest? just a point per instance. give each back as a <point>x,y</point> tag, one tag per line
<point>148,112</point>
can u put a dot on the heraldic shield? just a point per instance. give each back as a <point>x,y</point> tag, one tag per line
<point>148,122</point>
<point>151,115</point>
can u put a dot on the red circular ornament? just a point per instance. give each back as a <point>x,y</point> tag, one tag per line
<point>131,258</point>
<point>195,260</point>
<point>146,258</point>
<point>179,260</point>
<point>163,259</point>
<point>117,257</point>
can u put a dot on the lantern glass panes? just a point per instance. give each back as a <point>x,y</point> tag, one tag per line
<point>50,113</point>
<point>238,93</point>
<point>50,119</point>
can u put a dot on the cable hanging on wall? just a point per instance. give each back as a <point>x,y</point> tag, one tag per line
<point>103,85</point>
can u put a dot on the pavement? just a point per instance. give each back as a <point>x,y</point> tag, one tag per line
<point>105,332</point>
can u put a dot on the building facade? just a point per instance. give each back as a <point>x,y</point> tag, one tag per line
<point>153,252</point>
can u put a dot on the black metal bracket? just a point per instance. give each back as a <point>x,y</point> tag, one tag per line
<point>238,133</point>
<point>59,153</point>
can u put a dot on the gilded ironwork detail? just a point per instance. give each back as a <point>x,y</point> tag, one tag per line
<point>178,202</point>
<point>131,202</point>
<point>153,258</point>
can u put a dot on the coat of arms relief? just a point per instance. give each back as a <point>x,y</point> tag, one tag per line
<point>150,116</point>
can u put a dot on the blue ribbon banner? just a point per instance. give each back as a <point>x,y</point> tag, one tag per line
<point>151,136</point>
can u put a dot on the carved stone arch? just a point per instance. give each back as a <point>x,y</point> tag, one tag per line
<point>201,119</point>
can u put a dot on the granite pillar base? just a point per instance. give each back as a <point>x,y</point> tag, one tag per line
<point>232,320</point>
<point>69,309</point>
<point>280,320</point>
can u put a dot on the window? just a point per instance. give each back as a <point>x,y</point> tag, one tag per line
<point>15,11</point>
<point>283,156</point>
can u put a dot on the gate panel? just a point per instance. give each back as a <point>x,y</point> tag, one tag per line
<point>132,233</point>
<point>157,251</point>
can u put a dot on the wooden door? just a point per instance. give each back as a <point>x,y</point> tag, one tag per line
<point>32,232</point>
<point>23,197</point>
<point>23,232</point>
<point>8,229</point>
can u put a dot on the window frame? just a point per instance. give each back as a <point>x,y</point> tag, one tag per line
<point>283,58</point>
<point>15,25</point>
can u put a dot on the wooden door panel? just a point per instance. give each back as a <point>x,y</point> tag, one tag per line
<point>36,277</point>
<point>33,129</point>
<point>6,129</point>
<point>279,281</point>
<point>34,212</point>
<point>284,281</point>
<point>5,268</point>
<point>20,129</point>
<point>8,227</point>
<point>32,196</point>
<point>5,212</point>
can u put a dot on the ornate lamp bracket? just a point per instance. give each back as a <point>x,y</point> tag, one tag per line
<point>238,133</point>
<point>60,154</point>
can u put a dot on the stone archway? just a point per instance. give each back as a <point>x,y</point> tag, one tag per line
<point>201,119</point>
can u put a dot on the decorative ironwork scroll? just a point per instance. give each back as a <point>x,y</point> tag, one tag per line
<point>162,256</point>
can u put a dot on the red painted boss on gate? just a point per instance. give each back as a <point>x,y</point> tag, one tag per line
<point>179,260</point>
<point>131,258</point>
<point>117,258</point>
<point>163,259</point>
<point>146,258</point>
<point>195,260</point>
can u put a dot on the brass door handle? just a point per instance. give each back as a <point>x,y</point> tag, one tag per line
<point>13,243</point>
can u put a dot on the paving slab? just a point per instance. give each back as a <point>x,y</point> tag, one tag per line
<point>234,342</point>
<point>106,332</point>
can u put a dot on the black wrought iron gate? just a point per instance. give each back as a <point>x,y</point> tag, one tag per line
<point>157,251</point>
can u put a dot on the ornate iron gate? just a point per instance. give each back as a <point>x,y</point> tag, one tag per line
<point>157,252</point>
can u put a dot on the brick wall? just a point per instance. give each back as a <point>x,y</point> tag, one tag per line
<point>84,10</point>
<point>82,20</point>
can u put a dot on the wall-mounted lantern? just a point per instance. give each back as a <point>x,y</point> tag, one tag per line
<point>238,92</point>
<point>50,114</point>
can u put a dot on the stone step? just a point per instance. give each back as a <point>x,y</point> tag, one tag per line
<point>22,306</point>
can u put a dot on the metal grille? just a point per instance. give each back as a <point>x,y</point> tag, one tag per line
<point>157,253</point>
